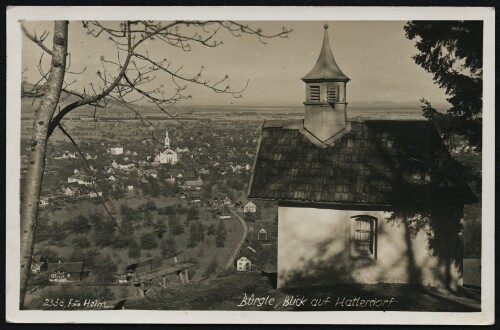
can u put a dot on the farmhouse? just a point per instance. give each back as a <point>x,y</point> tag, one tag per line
<point>248,258</point>
<point>65,271</point>
<point>263,232</point>
<point>72,190</point>
<point>250,207</point>
<point>116,150</point>
<point>375,201</point>
<point>80,179</point>
<point>94,194</point>
<point>246,263</point>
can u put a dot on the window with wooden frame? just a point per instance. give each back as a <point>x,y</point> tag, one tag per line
<point>332,94</point>
<point>314,93</point>
<point>363,237</point>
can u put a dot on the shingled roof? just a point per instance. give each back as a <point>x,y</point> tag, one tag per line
<point>377,163</point>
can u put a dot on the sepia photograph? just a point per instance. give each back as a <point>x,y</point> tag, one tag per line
<point>180,162</point>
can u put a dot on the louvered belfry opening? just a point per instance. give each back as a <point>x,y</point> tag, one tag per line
<point>314,93</point>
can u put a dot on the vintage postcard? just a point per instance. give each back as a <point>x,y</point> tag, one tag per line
<point>250,165</point>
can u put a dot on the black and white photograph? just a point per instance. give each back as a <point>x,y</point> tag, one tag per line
<point>252,164</point>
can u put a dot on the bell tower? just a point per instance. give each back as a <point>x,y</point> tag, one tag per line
<point>326,106</point>
<point>167,141</point>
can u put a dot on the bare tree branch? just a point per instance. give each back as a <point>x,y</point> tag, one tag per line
<point>35,39</point>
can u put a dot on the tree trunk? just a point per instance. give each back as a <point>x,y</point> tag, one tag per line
<point>43,116</point>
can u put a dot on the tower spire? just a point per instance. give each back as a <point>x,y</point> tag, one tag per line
<point>326,67</point>
<point>167,140</point>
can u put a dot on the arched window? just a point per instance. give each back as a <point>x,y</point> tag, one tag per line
<point>363,237</point>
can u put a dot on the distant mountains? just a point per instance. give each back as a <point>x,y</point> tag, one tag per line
<point>117,107</point>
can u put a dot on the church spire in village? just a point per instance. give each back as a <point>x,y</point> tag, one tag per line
<point>167,140</point>
<point>325,106</point>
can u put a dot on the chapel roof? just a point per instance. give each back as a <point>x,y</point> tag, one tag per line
<point>378,162</point>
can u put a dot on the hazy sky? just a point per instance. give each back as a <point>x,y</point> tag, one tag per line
<point>375,55</point>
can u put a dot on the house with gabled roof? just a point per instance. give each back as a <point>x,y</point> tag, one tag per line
<point>247,259</point>
<point>373,201</point>
<point>65,271</point>
<point>250,207</point>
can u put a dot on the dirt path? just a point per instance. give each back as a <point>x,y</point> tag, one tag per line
<point>237,247</point>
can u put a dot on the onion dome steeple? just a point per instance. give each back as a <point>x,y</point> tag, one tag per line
<point>325,119</point>
<point>326,68</point>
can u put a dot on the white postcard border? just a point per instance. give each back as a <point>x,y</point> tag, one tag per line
<point>13,106</point>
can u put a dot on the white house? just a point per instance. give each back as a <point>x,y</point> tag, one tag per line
<point>94,194</point>
<point>116,150</point>
<point>247,259</point>
<point>65,271</point>
<point>80,179</point>
<point>250,207</point>
<point>243,264</point>
<point>357,199</point>
<point>182,150</point>
<point>71,191</point>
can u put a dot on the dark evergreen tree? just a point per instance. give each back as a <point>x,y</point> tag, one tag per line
<point>220,235</point>
<point>453,52</point>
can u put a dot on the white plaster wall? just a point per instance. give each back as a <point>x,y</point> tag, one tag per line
<point>313,249</point>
